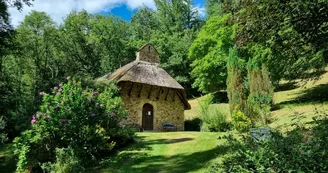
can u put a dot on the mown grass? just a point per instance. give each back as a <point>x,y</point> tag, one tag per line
<point>171,152</point>
<point>194,111</point>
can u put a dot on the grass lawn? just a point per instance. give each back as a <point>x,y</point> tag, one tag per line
<point>171,152</point>
<point>194,111</point>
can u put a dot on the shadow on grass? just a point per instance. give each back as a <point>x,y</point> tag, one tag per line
<point>317,94</point>
<point>286,86</point>
<point>138,160</point>
<point>142,162</point>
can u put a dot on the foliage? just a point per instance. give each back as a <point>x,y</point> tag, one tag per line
<point>296,42</point>
<point>260,96</point>
<point>3,135</point>
<point>302,150</point>
<point>212,120</point>
<point>171,28</point>
<point>209,52</point>
<point>236,89</point>
<point>192,124</point>
<point>92,45</point>
<point>176,16</point>
<point>83,119</point>
<point>240,121</point>
<point>66,162</point>
<point>213,8</point>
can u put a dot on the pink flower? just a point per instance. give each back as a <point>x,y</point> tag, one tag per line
<point>37,115</point>
<point>60,85</point>
<point>42,93</point>
<point>33,121</point>
<point>55,88</point>
<point>68,77</point>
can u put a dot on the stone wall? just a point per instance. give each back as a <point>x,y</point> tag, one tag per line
<point>168,107</point>
<point>148,54</point>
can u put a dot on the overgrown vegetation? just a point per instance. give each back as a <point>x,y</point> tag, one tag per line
<point>72,123</point>
<point>301,150</point>
<point>244,47</point>
<point>212,120</point>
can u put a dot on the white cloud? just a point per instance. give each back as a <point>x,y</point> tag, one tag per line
<point>201,10</point>
<point>59,9</point>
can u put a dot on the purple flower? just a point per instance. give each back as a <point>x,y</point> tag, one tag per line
<point>68,77</point>
<point>56,107</point>
<point>60,85</point>
<point>92,115</point>
<point>64,128</point>
<point>42,93</point>
<point>63,120</point>
<point>33,121</point>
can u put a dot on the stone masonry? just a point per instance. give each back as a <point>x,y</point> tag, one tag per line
<point>168,107</point>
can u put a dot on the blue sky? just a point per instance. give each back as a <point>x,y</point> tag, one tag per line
<point>59,9</point>
<point>125,12</point>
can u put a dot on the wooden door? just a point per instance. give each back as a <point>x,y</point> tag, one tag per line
<point>147,117</point>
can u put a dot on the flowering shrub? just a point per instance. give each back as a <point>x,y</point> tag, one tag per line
<point>240,121</point>
<point>85,120</point>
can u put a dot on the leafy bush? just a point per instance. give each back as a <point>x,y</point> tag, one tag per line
<point>87,121</point>
<point>301,150</point>
<point>212,119</point>
<point>3,136</point>
<point>66,162</point>
<point>240,121</point>
<point>193,124</point>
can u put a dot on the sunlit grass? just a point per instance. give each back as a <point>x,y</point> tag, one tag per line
<point>177,152</point>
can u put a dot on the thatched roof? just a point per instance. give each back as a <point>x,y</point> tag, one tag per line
<point>147,73</point>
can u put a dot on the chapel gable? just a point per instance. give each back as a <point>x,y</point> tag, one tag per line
<point>148,53</point>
